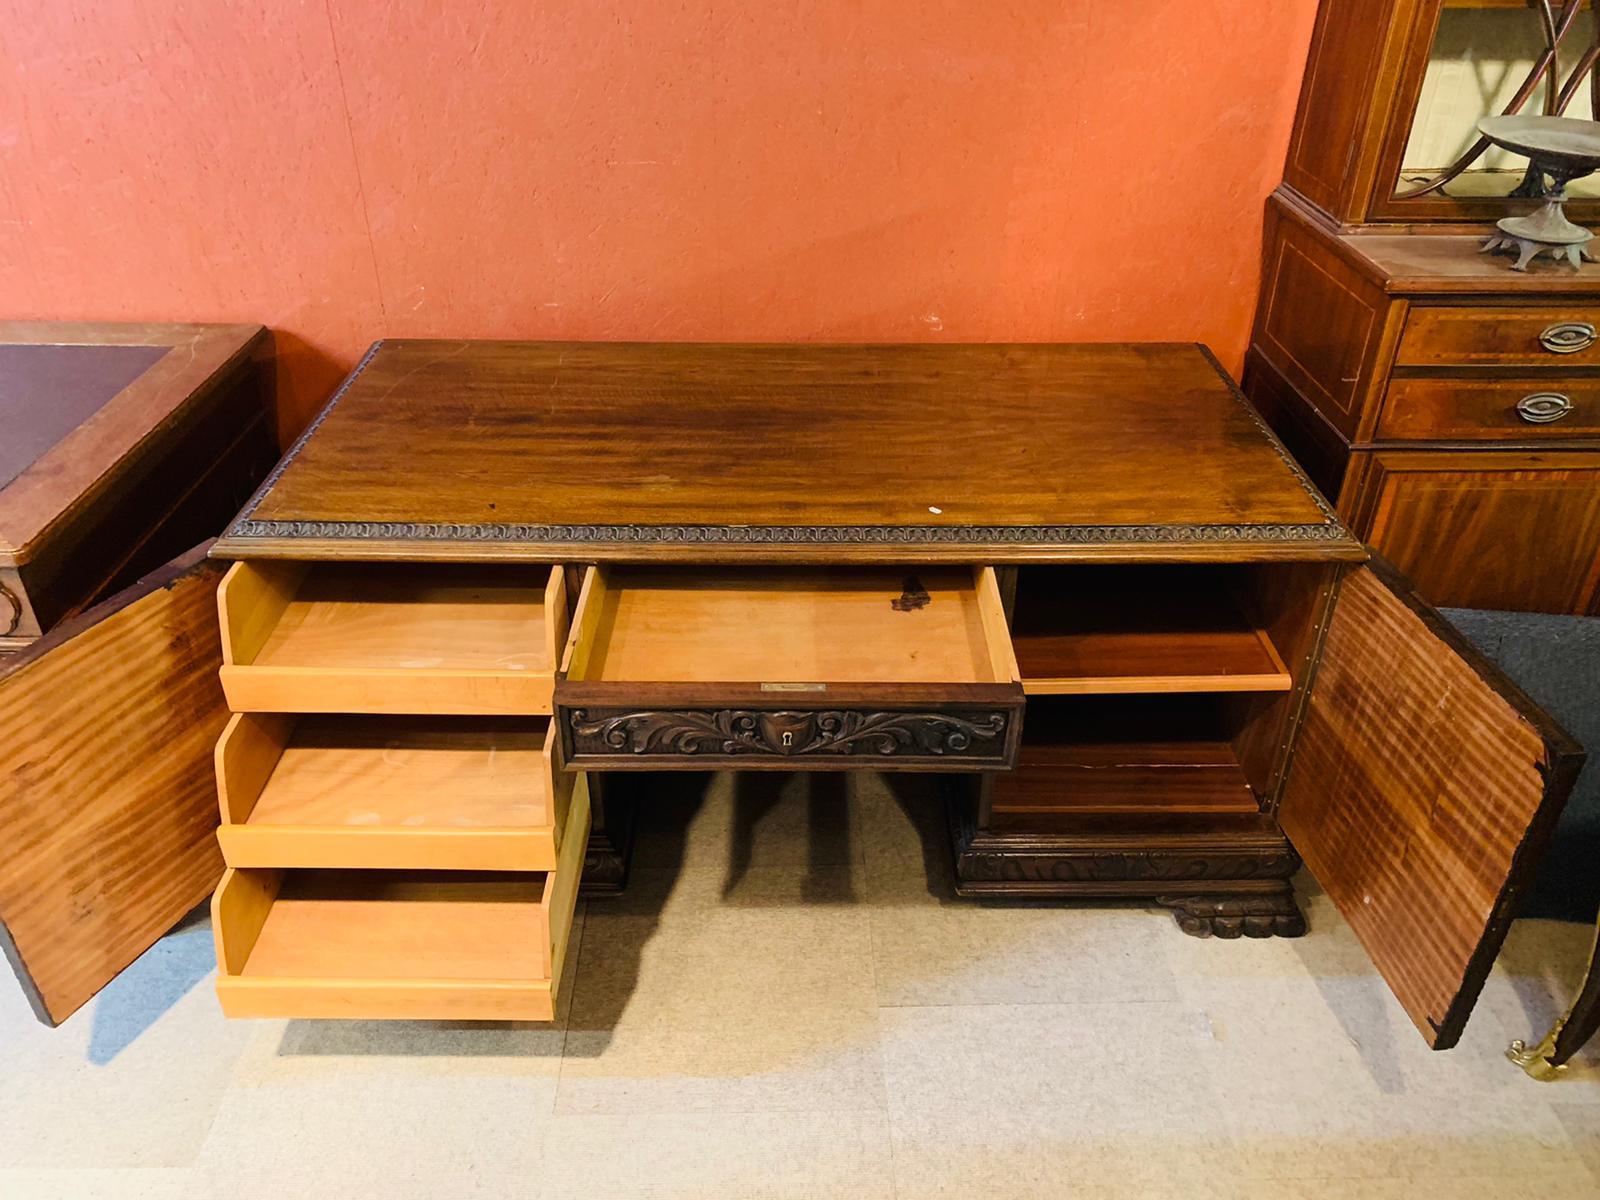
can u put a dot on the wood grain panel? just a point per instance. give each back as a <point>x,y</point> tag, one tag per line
<point>1422,789</point>
<point>107,799</point>
<point>632,451</point>
<point>1336,101</point>
<point>1502,336</point>
<point>1523,529</point>
<point>1321,322</point>
<point>1486,409</point>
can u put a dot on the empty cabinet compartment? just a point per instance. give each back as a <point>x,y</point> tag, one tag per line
<point>1104,630</point>
<point>1128,754</point>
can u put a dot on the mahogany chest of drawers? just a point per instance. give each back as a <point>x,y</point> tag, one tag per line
<point>1449,406</point>
<point>1139,646</point>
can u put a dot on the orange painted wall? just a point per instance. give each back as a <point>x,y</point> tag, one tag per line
<point>850,170</point>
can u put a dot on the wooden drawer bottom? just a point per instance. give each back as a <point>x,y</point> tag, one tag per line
<point>419,945</point>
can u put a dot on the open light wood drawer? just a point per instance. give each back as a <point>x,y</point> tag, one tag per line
<point>790,668</point>
<point>390,637</point>
<point>461,793</point>
<point>417,945</point>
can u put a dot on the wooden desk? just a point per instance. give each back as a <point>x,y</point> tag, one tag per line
<point>1083,582</point>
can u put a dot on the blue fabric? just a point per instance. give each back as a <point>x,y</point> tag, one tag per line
<point>1556,660</point>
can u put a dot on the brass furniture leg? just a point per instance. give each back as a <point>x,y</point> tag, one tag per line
<point>1567,1036</point>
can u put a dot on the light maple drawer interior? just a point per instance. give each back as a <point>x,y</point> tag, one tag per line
<point>462,793</point>
<point>796,667</point>
<point>391,638</point>
<point>397,945</point>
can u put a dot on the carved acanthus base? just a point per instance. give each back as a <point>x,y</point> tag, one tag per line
<point>1237,916</point>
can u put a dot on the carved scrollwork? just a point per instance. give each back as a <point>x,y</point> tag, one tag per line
<point>1046,866</point>
<point>820,733</point>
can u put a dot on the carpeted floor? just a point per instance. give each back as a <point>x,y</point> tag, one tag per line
<point>785,1004</point>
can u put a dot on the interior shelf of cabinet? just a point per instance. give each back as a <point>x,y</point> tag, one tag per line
<point>1154,633</point>
<point>1135,754</point>
<point>391,637</point>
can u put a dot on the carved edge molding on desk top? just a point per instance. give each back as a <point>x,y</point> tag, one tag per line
<point>824,732</point>
<point>271,481</point>
<point>726,535</point>
<point>245,526</point>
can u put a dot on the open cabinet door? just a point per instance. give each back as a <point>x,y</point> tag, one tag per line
<point>1423,786</point>
<point>108,805</point>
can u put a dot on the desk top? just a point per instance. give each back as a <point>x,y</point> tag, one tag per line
<point>616,452</point>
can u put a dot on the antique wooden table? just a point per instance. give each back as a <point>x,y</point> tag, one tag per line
<point>1084,582</point>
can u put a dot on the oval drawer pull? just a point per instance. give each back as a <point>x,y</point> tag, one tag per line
<point>1568,337</point>
<point>8,604</point>
<point>1543,407</point>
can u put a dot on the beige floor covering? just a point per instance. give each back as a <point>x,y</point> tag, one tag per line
<point>789,1003</point>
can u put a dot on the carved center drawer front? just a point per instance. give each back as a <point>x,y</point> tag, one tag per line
<point>1442,336</point>
<point>1491,409</point>
<point>797,669</point>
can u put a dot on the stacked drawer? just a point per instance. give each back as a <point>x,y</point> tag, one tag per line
<point>401,838</point>
<point>1515,374</point>
<point>1481,481</point>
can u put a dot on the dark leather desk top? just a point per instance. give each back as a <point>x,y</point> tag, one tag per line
<point>48,391</point>
<point>82,403</point>
<point>992,453</point>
